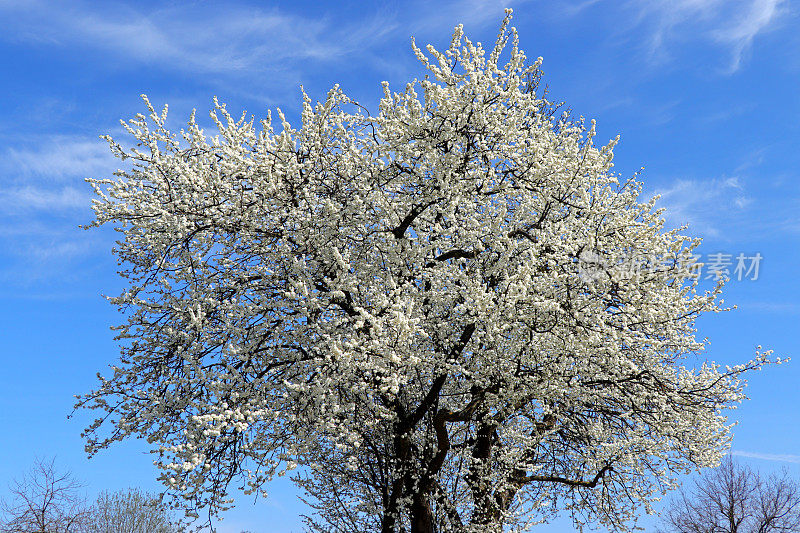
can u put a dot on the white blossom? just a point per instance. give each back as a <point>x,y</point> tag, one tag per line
<point>396,304</point>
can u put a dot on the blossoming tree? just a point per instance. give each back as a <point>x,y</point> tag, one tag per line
<point>400,304</point>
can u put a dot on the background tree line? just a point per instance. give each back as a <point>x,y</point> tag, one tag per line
<point>735,499</point>
<point>730,499</point>
<point>46,500</point>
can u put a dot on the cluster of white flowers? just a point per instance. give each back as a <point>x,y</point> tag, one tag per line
<point>396,303</point>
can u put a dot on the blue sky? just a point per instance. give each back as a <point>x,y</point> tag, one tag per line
<point>703,92</point>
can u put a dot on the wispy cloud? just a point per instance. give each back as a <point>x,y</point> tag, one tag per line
<point>58,157</point>
<point>783,458</point>
<point>268,43</point>
<point>42,250</point>
<point>733,24</point>
<point>46,173</point>
<point>726,114</point>
<point>60,250</point>
<point>571,9</point>
<point>702,203</point>
<point>14,200</point>
<point>739,34</point>
<point>38,264</point>
<point>192,39</point>
<point>770,307</point>
<point>472,13</point>
<point>43,201</point>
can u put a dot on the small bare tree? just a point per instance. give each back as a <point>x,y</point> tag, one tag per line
<point>734,499</point>
<point>44,501</point>
<point>130,511</point>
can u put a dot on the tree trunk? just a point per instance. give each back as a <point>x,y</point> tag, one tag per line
<point>421,515</point>
<point>486,512</point>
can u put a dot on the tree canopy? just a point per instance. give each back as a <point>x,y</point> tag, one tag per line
<point>451,313</point>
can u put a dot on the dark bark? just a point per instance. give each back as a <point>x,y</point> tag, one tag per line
<point>421,514</point>
<point>414,476</point>
<point>485,512</point>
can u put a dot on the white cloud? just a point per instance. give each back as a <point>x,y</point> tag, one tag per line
<point>440,16</point>
<point>59,157</point>
<point>189,38</point>
<point>567,9</point>
<point>43,200</point>
<point>784,458</point>
<point>731,23</point>
<point>269,43</point>
<point>770,307</point>
<point>60,250</point>
<point>740,33</point>
<point>31,197</point>
<point>40,264</point>
<point>46,174</point>
<point>701,204</point>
